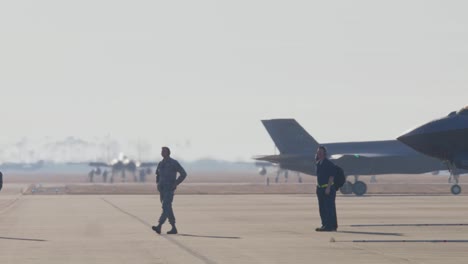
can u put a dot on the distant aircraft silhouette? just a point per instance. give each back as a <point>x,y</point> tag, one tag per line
<point>122,165</point>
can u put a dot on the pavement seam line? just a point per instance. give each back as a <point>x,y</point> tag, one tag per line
<point>170,239</point>
<point>11,204</point>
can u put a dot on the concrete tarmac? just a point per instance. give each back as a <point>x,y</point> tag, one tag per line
<point>232,229</point>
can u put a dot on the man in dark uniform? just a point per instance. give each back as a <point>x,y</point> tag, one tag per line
<point>167,181</point>
<point>104,176</point>
<point>91,175</point>
<point>1,180</point>
<point>326,192</point>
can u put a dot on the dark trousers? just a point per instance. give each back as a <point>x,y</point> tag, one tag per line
<point>166,194</point>
<point>327,208</point>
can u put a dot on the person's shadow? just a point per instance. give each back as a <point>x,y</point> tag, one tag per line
<point>217,237</point>
<point>369,233</point>
<point>23,239</point>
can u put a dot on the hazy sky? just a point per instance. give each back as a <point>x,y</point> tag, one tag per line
<point>200,75</point>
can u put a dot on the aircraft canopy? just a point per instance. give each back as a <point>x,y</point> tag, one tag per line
<point>463,111</point>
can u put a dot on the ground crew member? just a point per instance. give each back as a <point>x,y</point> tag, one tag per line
<point>142,175</point>
<point>104,176</point>
<point>326,192</point>
<point>167,181</point>
<point>1,180</point>
<point>91,175</point>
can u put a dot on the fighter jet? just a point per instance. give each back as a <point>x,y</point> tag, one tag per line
<point>297,153</point>
<point>122,164</point>
<point>262,170</point>
<point>446,139</point>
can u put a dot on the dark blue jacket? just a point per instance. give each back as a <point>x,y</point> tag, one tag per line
<point>166,173</point>
<point>324,170</point>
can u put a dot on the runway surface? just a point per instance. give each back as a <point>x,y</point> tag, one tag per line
<point>231,229</point>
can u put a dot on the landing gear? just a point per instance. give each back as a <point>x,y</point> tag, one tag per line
<point>454,176</point>
<point>278,173</point>
<point>347,188</point>
<point>359,188</point>
<point>299,177</point>
<point>456,189</point>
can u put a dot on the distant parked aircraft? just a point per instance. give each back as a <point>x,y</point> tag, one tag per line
<point>122,165</point>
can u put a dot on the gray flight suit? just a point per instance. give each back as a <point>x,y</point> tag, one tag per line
<point>167,181</point>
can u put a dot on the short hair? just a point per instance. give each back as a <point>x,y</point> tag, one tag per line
<point>167,149</point>
<point>324,149</point>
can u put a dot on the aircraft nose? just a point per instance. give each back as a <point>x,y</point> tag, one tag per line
<point>403,138</point>
<point>416,138</point>
<point>421,138</point>
<point>406,137</point>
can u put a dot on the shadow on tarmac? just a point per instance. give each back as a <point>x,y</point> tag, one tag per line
<point>370,233</point>
<point>219,237</point>
<point>23,239</point>
<point>384,225</point>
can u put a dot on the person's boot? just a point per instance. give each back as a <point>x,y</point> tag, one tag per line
<point>173,231</point>
<point>157,228</point>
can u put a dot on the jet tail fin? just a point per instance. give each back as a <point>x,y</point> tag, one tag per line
<point>289,136</point>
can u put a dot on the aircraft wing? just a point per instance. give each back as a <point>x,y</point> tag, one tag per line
<point>279,158</point>
<point>148,164</point>
<point>361,155</point>
<point>264,164</point>
<point>295,157</point>
<point>98,164</point>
